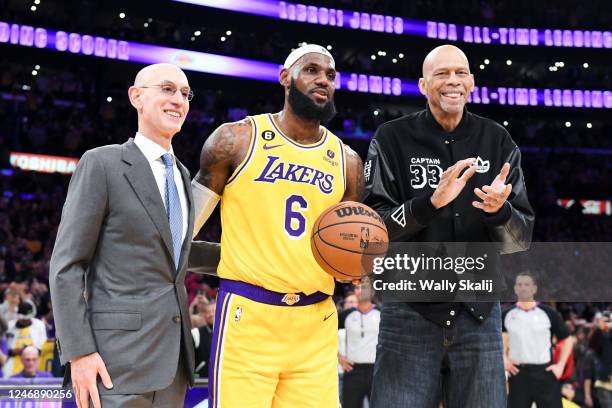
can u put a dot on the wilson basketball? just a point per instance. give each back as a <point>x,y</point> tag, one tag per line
<point>346,238</point>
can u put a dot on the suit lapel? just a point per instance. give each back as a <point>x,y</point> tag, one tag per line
<point>190,219</point>
<point>142,180</point>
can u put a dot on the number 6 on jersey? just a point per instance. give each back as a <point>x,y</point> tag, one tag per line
<point>295,222</point>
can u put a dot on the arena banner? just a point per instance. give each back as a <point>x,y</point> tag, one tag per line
<point>101,47</point>
<point>394,25</point>
<point>588,207</point>
<point>485,271</point>
<point>43,163</point>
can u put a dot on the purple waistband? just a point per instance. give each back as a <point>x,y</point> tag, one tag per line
<point>261,295</point>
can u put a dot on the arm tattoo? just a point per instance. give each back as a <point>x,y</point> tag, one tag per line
<point>215,159</point>
<point>219,155</point>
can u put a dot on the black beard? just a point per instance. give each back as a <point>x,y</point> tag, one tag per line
<point>306,108</point>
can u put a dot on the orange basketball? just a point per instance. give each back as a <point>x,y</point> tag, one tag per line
<point>346,238</point>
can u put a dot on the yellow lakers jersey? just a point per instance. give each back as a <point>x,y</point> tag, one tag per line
<point>270,204</point>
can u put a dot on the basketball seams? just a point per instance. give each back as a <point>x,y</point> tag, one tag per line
<point>353,222</point>
<point>336,207</point>
<point>350,250</point>
<point>324,260</point>
<point>345,257</point>
<point>322,215</point>
<point>317,223</point>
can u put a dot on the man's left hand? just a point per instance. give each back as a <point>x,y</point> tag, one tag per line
<point>494,196</point>
<point>557,370</point>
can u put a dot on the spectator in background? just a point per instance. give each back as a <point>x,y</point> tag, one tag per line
<point>39,295</point>
<point>24,331</point>
<point>48,318</point>
<point>198,310</point>
<point>568,392</point>
<point>23,289</point>
<point>209,314</point>
<point>350,301</point>
<point>3,344</point>
<point>202,338</point>
<point>361,337</point>
<point>598,372</point>
<point>9,307</point>
<point>528,328</point>
<point>30,357</point>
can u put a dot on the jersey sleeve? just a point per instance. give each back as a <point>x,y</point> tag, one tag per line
<point>557,326</point>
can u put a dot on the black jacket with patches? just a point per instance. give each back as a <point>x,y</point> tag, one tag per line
<point>405,161</point>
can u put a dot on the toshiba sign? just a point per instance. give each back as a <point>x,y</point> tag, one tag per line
<point>43,164</point>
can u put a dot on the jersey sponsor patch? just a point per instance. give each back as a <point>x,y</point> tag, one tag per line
<point>329,157</point>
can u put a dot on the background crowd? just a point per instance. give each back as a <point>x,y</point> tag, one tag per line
<point>74,103</point>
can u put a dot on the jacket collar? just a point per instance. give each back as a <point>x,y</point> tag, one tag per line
<point>460,132</point>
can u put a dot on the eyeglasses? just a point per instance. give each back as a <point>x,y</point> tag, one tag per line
<point>170,89</point>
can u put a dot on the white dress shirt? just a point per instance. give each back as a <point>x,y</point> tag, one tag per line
<point>153,153</point>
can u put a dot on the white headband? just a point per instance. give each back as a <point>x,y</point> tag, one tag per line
<point>306,49</point>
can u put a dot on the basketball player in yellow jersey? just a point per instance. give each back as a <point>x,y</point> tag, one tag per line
<point>275,335</point>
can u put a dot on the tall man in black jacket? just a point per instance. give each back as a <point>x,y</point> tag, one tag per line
<point>445,175</point>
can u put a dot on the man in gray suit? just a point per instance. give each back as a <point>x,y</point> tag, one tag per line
<point>118,267</point>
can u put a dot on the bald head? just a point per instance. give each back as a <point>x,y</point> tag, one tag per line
<point>29,351</point>
<point>30,358</point>
<point>441,55</point>
<point>155,71</point>
<point>447,84</point>
<point>161,96</point>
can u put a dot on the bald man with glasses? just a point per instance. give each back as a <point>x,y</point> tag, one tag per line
<point>119,263</point>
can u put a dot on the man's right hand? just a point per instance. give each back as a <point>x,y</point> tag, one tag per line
<point>451,184</point>
<point>85,371</point>
<point>510,366</point>
<point>347,366</point>
<point>588,400</point>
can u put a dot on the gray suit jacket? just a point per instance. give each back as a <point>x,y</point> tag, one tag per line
<point>113,282</point>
